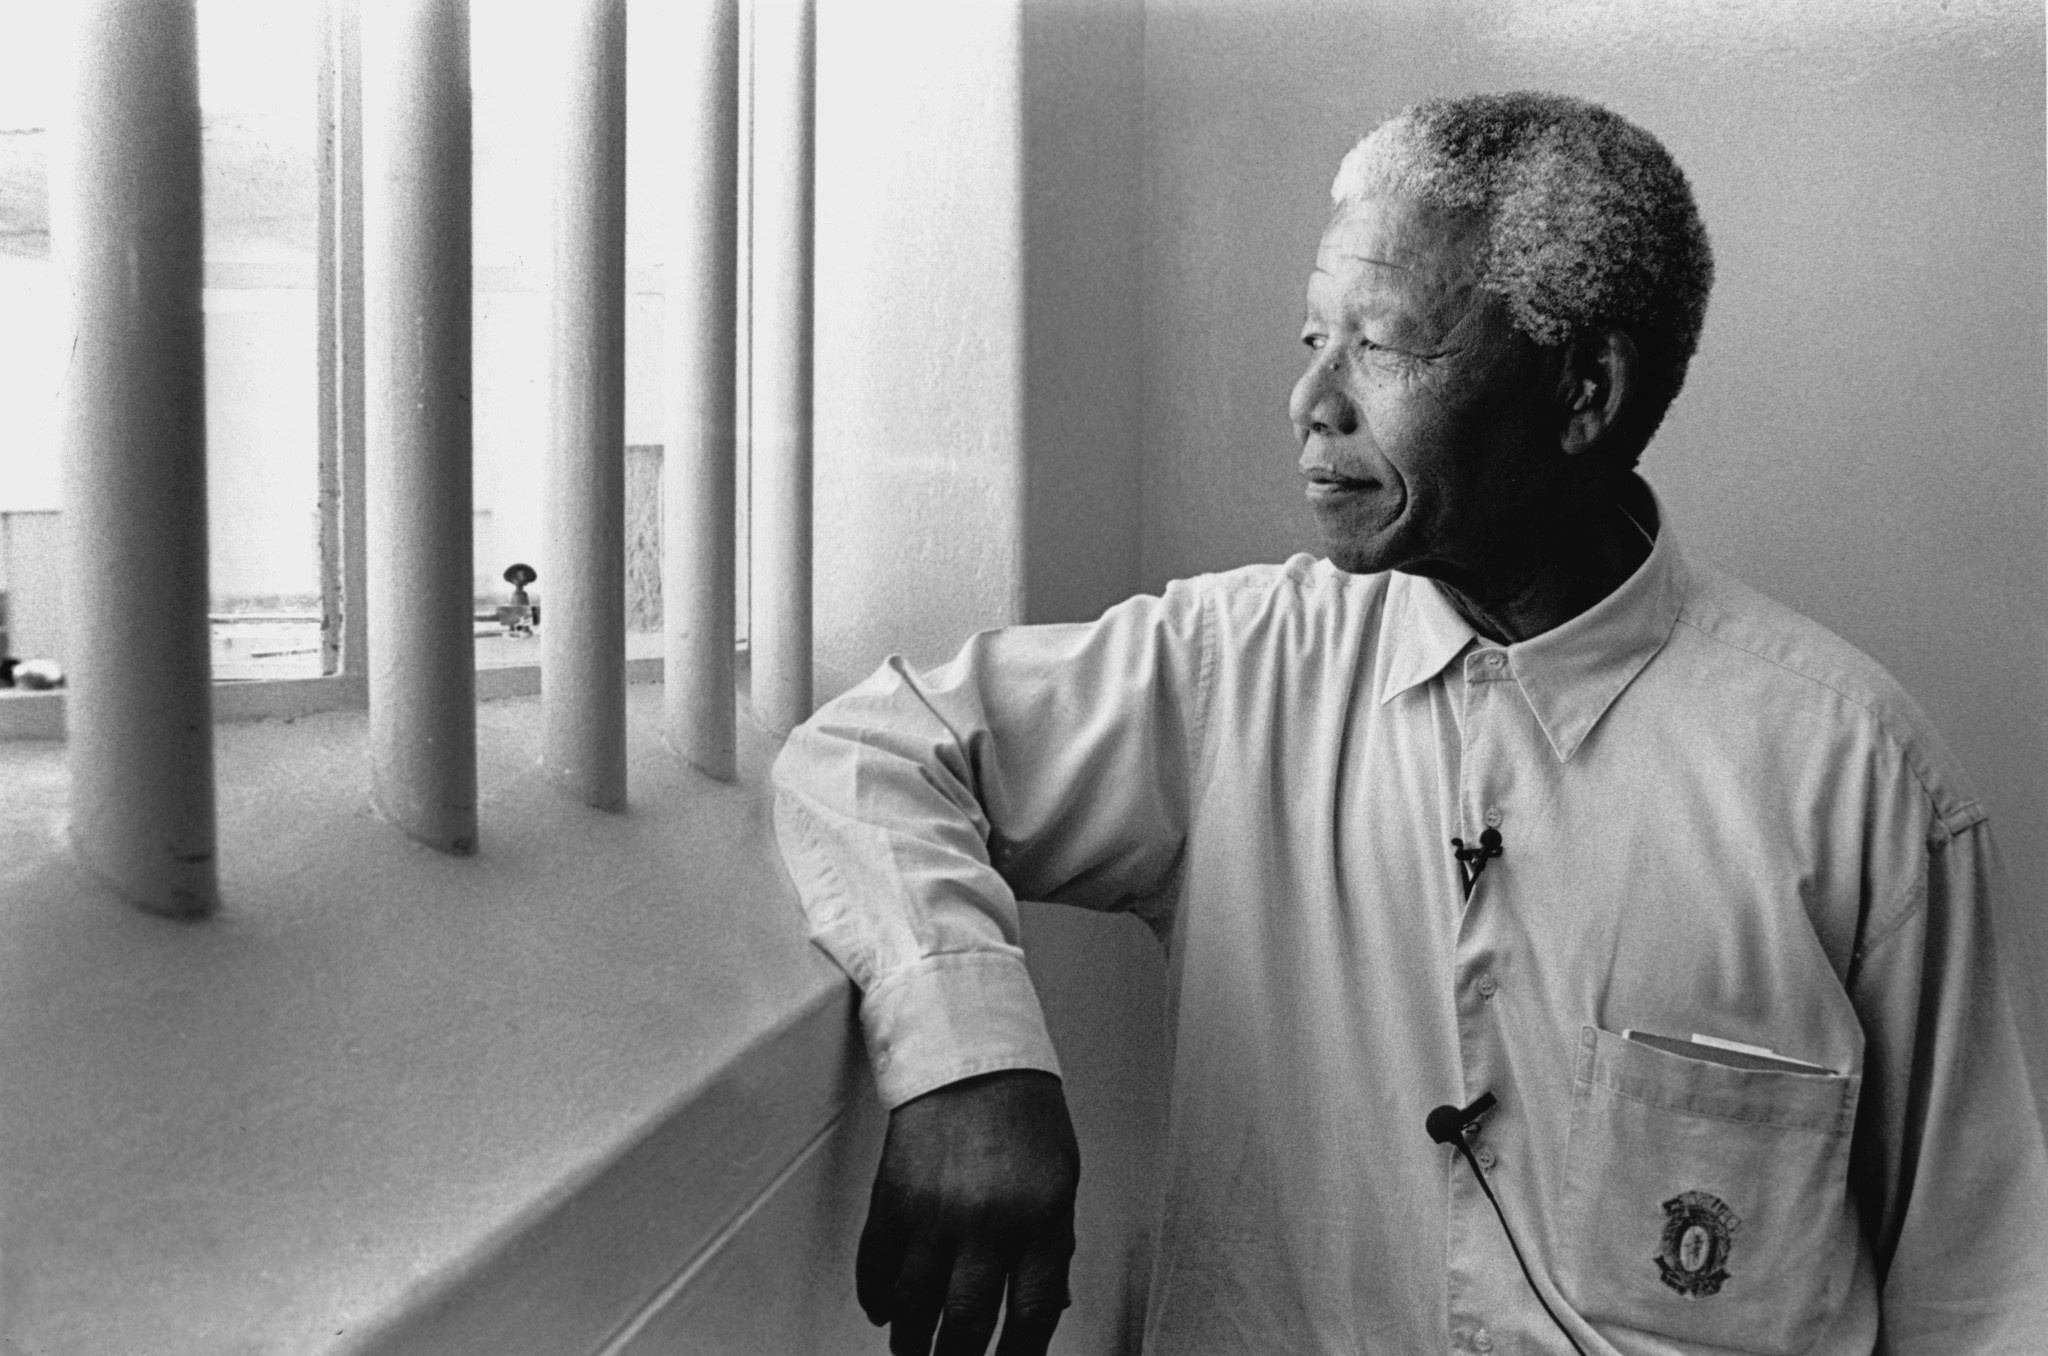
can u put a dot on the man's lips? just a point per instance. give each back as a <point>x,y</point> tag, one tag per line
<point>1324,484</point>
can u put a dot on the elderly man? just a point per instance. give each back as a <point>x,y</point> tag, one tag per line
<point>1571,950</point>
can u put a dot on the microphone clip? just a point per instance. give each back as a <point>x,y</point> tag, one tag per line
<point>1473,860</point>
<point>1447,1124</point>
<point>1451,1125</point>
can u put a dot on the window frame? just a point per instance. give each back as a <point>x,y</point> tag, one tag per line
<point>341,412</point>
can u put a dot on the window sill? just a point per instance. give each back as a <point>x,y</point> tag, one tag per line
<point>40,715</point>
<point>391,1100</point>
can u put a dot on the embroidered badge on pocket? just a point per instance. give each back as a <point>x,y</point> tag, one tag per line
<point>1699,1230</point>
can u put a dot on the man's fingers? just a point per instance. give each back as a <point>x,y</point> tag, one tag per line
<point>879,1261</point>
<point>1038,1294</point>
<point>975,1177</point>
<point>919,1298</point>
<point>973,1300</point>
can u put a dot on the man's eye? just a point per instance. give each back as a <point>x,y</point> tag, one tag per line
<point>1315,341</point>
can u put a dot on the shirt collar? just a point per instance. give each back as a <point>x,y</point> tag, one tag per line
<point>1423,633</point>
<point>1570,674</point>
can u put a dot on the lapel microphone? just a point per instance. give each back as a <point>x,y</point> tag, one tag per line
<point>1472,861</point>
<point>1448,1125</point>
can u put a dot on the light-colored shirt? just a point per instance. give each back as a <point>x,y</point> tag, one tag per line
<point>1720,824</point>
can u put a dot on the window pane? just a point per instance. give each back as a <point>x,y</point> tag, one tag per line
<point>515,75</point>
<point>31,352</point>
<point>257,91</point>
<point>512,81</point>
<point>256,94</point>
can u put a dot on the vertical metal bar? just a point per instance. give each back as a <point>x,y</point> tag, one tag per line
<point>422,652</point>
<point>583,621</point>
<point>140,709</point>
<point>698,476</point>
<point>349,355</point>
<point>779,632</point>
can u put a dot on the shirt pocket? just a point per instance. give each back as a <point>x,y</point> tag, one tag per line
<point>1704,1202</point>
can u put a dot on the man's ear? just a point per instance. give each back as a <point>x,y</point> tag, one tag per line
<point>1598,388</point>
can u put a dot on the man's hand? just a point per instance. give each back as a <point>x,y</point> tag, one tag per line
<point>975,1194</point>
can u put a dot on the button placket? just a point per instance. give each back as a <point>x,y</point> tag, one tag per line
<point>1480,815</point>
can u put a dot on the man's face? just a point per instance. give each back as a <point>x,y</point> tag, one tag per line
<point>1428,426</point>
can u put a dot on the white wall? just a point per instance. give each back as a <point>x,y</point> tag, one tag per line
<point>919,325</point>
<point>1862,433</point>
<point>1083,174</point>
<point>1100,978</point>
<point>978,362</point>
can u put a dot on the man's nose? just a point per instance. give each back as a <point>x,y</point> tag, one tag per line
<point>1319,404</point>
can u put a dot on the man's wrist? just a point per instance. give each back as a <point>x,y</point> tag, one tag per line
<point>974,1082</point>
<point>953,1017</point>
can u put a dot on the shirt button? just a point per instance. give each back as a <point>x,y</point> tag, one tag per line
<point>1482,1340</point>
<point>1494,659</point>
<point>1486,1160</point>
<point>1493,818</point>
<point>1487,987</point>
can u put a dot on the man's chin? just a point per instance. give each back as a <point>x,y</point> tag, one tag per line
<point>1359,542</point>
<point>1355,556</point>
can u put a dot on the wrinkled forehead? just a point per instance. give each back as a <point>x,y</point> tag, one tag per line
<point>1404,243</point>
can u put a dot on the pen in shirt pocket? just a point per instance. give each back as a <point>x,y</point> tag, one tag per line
<point>1715,1050</point>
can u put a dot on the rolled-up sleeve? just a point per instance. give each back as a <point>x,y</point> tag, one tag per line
<point>1950,1148</point>
<point>1043,762</point>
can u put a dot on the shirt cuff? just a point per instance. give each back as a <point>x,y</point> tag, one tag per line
<point>950,1017</point>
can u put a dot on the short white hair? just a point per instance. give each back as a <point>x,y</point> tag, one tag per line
<point>1590,223</point>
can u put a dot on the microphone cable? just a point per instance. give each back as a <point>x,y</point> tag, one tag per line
<point>1446,1125</point>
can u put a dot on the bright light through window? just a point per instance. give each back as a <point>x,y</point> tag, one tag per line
<point>31,309</point>
<point>259,72</point>
<point>256,94</point>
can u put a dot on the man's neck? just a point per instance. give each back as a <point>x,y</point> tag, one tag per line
<point>1585,556</point>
